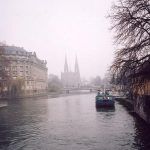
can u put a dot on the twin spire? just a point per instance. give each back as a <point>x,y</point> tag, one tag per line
<point>66,69</point>
<point>66,65</point>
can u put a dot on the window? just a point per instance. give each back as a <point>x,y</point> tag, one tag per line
<point>14,73</point>
<point>21,73</point>
<point>14,67</point>
<point>21,68</point>
<point>8,73</point>
<point>7,68</point>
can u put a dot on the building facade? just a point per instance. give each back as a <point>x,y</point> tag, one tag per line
<point>24,70</point>
<point>71,79</point>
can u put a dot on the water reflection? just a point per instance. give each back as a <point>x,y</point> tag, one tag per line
<point>72,123</point>
<point>142,136</point>
<point>19,120</point>
<point>110,109</point>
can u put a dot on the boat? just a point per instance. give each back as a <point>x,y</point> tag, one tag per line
<point>103,100</point>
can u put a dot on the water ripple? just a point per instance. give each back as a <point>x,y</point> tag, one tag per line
<point>70,123</point>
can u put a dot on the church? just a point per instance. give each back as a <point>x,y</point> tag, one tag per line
<point>71,79</point>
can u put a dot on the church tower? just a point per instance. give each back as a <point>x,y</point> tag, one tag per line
<point>71,79</point>
<point>76,66</point>
<point>66,65</point>
<point>77,73</point>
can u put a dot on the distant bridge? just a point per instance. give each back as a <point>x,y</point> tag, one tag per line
<point>82,89</point>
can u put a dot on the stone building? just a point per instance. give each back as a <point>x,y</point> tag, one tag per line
<point>24,68</point>
<point>71,79</point>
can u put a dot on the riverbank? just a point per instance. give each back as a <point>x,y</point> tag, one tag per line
<point>3,104</point>
<point>23,96</point>
<point>140,107</point>
<point>48,94</point>
<point>125,102</point>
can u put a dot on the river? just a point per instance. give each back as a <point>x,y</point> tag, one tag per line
<point>70,123</point>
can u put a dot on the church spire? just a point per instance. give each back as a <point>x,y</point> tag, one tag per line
<point>66,65</point>
<point>76,66</point>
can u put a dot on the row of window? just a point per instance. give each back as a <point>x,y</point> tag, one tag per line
<point>21,73</point>
<point>17,68</point>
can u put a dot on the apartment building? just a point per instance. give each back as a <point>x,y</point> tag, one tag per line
<point>25,68</point>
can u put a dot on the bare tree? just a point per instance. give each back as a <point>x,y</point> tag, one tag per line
<point>54,83</point>
<point>16,86</point>
<point>131,23</point>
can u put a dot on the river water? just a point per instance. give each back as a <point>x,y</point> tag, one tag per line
<point>70,123</point>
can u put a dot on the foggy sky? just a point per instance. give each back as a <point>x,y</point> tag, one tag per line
<point>55,28</point>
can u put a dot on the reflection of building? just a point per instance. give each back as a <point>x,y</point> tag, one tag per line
<point>26,67</point>
<point>69,78</point>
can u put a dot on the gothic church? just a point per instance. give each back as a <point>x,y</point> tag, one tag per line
<point>71,79</point>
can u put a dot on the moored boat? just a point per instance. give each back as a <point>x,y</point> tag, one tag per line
<point>104,101</point>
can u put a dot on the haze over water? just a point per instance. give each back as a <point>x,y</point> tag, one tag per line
<point>54,28</point>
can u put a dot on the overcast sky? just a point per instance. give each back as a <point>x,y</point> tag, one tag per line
<point>53,28</point>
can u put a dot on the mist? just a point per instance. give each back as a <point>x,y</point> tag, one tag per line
<point>55,28</point>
